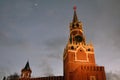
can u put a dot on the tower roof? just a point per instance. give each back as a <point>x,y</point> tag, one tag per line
<point>75,19</point>
<point>27,67</point>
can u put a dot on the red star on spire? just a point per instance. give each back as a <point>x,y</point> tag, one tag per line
<point>74,8</point>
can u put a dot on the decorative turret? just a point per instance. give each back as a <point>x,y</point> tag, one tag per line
<point>26,71</point>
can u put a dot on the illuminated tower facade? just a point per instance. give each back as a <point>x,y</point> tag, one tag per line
<point>26,71</point>
<point>79,60</point>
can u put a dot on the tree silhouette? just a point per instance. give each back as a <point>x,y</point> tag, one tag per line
<point>15,76</point>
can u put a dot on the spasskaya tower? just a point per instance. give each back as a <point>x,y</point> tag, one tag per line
<point>78,58</point>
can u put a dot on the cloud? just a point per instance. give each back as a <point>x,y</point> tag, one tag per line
<point>4,71</point>
<point>112,76</point>
<point>9,37</point>
<point>55,46</point>
<point>47,69</point>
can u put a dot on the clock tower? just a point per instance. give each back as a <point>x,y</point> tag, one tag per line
<point>79,60</point>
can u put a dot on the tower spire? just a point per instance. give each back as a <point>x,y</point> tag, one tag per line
<point>75,19</point>
<point>26,71</point>
<point>27,66</point>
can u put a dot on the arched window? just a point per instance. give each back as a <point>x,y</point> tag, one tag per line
<point>72,47</point>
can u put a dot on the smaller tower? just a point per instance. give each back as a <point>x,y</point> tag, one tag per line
<point>26,71</point>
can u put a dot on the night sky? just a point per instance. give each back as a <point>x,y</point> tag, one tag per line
<point>38,31</point>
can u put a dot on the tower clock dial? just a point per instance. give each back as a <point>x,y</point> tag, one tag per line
<point>78,38</point>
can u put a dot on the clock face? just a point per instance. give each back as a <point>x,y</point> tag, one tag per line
<point>78,38</point>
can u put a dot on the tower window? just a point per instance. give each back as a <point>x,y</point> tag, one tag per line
<point>72,47</point>
<point>77,25</point>
<point>82,67</point>
<point>80,50</point>
<point>73,26</point>
<point>92,77</point>
<point>87,67</point>
<point>89,49</point>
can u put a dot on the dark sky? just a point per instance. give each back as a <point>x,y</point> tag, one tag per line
<point>38,30</point>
